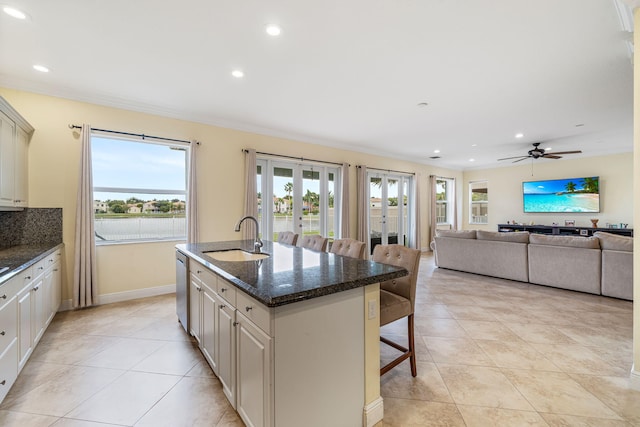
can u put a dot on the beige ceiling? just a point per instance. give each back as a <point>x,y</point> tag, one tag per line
<point>347,73</point>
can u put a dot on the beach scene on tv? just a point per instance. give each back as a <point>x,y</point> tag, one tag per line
<point>562,195</point>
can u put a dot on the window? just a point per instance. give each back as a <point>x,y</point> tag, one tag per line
<point>304,198</point>
<point>391,209</point>
<point>139,189</point>
<point>443,202</point>
<point>478,202</point>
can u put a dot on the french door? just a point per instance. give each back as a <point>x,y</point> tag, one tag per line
<point>390,209</point>
<point>303,198</point>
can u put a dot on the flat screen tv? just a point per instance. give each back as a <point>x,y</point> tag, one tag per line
<point>562,195</point>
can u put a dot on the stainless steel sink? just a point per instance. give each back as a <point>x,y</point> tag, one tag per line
<point>236,255</point>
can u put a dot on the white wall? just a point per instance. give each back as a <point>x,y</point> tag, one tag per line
<point>505,190</point>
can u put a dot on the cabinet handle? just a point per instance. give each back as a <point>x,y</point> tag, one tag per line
<point>40,268</point>
<point>3,382</point>
<point>50,260</point>
<point>55,269</point>
<point>248,308</point>
<point>236,323</point>
<point>199,271</point>
<point>36,288</point>
<point>222,307</point>
<point>2,333</point>
<point>4,296</point>
<point>27,278</point>
<point>223,289</point>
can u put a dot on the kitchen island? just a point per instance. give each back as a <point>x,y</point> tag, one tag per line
<point>293,337</point>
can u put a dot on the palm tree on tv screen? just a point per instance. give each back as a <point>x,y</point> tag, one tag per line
<point>570,187</point>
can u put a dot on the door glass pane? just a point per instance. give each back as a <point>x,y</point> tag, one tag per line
<point>310,201</point>
<point>376,220</point>
<point>331,214</point>
<point>392,211</point>
<point>282,206</point>
<point>405,211</point>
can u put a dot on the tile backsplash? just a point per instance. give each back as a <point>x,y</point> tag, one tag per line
<point>31,226</point>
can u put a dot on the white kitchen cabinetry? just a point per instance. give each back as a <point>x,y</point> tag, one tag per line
<point>195,306</point>
<point>8,337</point>
<point>28,302</point>
<point>15,133</point>
<point>226,348</point>
<point>202,310</point>
<point>253,398</point>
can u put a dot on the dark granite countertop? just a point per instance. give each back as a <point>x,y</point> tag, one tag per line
<point>290,273</point>
<point>17,258</point>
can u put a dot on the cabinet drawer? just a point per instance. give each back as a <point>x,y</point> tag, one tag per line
<point>8,323</point>
<point>205,275</point>
<point>9,289</point>
<point>258,313</point>
<point>8,368</point>
<point>38,267</point>
<point>227,291</point>
<point>26,276</point>
<point>52,258</point>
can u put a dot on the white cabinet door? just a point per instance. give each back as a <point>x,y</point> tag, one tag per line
<point>254,395</point>
<point>226,339</point>
<point>55,289</point>
<point>39,308</point>
<point>25,341</point>
<point>208,332</point>
<point>195,303</point>
<point>7,160</point>
<point>21,184</point>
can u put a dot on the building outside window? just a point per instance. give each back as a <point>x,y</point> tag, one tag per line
<point>139,189</point>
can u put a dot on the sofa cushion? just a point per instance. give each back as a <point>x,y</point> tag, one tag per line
<point>614,242</point>
<point>517,237</point>
<point>569,241</point>
<point>460,234</point>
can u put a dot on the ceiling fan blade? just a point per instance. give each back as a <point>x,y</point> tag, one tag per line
<point>516,157</point>
<point>516,161</point>
<point>566,152</point>
<point>552,156</point>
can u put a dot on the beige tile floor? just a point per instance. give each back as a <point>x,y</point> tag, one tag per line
<point>491,352</point>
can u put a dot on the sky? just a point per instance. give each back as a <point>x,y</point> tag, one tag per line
<point>121,163</point>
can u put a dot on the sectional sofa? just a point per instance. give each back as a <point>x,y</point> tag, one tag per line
<point>602,264</point>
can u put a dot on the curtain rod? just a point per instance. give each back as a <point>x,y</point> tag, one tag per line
<point>441,177</point>
<point>387,170</point>
<point>141,135</point>
<point>302,159</point>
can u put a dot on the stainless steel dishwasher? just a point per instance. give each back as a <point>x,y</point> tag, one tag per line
<point>182,289</point>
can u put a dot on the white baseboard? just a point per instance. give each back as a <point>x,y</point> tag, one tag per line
<point>634,379</point>
<point>373,413</point>
<point>124,296</point>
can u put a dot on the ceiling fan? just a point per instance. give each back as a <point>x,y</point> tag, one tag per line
<point>537,152</point>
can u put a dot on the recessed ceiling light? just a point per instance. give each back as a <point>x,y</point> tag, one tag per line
<point>436,151</point>
<point>519,135</point>
<point>474,145</point>
<point>13,12</point>
<point>548,149</point>
<point>41,68</point>
<point>273,30</point>
<point>423,104</point>
<point>472,160</point>
<point>238,74</point>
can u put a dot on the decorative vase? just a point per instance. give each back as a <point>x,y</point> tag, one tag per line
<point>595,223</point>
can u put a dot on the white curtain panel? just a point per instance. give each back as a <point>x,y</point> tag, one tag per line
<point>433,222</point>
<point>85,289</point>
<point>251,193</point>
<point>344,205</point>
<point>192,195</point>
<point>363,206</point>
<point>417,240</point>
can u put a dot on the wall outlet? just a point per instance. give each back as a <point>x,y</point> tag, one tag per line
<point>372,309</point>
